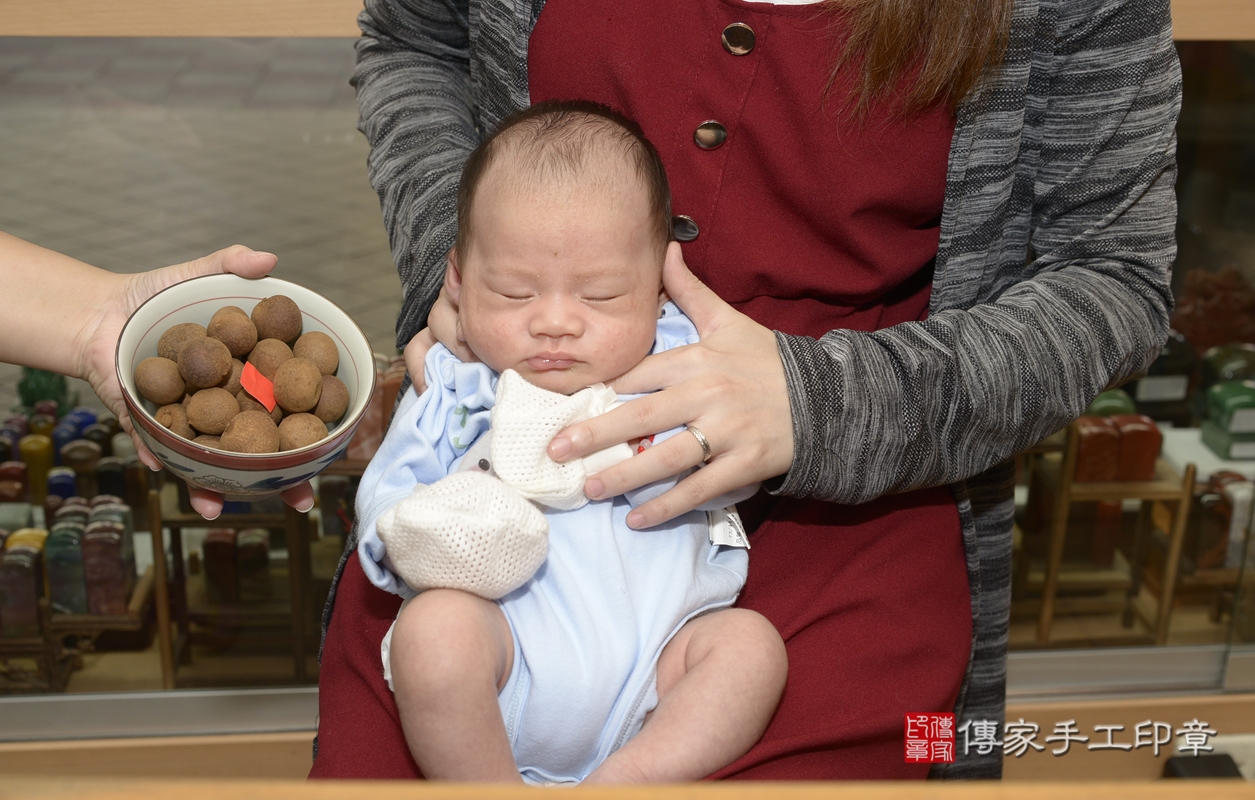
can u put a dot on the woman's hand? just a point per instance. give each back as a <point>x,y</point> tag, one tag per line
<point>730,386</point>
<point>443,327</point>
<point>98,338</point>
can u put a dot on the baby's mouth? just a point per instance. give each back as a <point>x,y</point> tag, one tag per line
<point>544,363</point>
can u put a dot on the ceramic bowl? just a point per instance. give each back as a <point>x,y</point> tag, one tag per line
<point>242,476</point>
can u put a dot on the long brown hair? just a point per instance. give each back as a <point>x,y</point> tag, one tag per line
<point>917,52</point>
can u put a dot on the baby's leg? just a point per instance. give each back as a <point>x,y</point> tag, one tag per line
<point>719,680</point>
<point>451,653</point>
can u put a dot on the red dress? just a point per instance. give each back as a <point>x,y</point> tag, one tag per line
<point>805,224</point>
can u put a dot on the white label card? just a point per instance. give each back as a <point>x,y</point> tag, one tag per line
<point>1162,388</point>
<point>1242,421</point>
<point>1242,450</point>
<point>726,528</point>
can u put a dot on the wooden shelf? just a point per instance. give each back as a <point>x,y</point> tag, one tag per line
<point>1165,501</point>
<point>95,624</point>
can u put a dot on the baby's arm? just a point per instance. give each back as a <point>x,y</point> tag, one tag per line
<point>429,432</point>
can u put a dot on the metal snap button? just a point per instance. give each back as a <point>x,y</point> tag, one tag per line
<point>738,39</point>
<point>683,228</point>
<point>710,134</point>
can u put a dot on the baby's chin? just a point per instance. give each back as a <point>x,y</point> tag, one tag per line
<point>562,381</point>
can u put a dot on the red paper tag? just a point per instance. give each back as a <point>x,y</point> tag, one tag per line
<point>259,387</point>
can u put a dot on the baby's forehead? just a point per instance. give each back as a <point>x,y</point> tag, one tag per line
<point>533,169</point>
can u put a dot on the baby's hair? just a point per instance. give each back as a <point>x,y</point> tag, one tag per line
<point>562,140</point>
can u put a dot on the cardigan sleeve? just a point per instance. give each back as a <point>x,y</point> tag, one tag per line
<point>414,96</point>
<point>1080,305</point>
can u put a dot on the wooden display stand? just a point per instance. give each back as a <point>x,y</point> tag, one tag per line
<point>1165,502</point>
<point>164,511</point>
<point>54,660</point>
<point>53,663</point>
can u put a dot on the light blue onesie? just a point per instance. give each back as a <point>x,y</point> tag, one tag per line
<point>590,624</point>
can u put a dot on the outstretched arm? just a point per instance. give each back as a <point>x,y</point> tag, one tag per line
<point>67,316</point>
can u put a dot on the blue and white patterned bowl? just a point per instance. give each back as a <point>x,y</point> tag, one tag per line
<point>242,476</point>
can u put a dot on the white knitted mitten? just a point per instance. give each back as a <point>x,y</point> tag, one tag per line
<point>525,419</point>
<point>466,531</point>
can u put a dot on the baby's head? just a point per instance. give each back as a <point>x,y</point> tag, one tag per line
<point>563,223</point>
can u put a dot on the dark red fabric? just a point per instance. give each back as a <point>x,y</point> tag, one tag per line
<point>807,225</point>
<point>359,730</point>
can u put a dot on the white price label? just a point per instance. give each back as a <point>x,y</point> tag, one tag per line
<point>1162,388</point>
<point>1242,421</point>
<point>1242,450</point>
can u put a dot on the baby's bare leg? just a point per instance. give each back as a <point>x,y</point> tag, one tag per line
<point>451,653</point>
<point>719,680</point>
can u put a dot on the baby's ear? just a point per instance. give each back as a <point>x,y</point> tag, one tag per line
<point>453,277</point>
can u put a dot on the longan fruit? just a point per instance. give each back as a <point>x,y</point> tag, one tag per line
<point>319,348</point>
<point>158,380</point>
<point>172,341</point>
<point>204,362</point>
<point>299,430</point>
<point>298,385</point>
<point>251,432</point>
<point>277,317</point>
<point>231,326</point>
<point>268,355</point>
<point>211,409</point>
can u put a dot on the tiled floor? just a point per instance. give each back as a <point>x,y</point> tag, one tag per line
<point>137,153</point>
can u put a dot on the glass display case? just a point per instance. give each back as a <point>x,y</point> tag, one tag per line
<point>1133,562</point>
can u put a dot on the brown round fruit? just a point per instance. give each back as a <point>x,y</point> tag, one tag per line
<point>319,348</point>
<point>172,341</point>
<point>174,418</point>
<point>248,403</point>
<point>277,317</point>
<point>299,430</point>
<point>334,400</point>
<point>232,382</point>
<point>158,380</point>
<point>205,440</point>
<point>298,385</point>
<point>204,363</point>
<point>268,355</point>
<point>211,409</point>
<point>251,432</point>
<point>232,327</point>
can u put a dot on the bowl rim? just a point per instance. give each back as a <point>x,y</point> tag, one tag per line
<point>244,462</point>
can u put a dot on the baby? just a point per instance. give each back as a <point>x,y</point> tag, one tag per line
<point>619,659</point>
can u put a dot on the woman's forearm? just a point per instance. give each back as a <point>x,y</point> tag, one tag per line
<point>52,299</point>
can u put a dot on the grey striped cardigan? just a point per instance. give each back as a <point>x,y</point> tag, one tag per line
<point>1051,281</point>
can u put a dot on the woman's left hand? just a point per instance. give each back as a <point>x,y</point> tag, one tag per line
<point>99,336</point>
<point>730,386</point>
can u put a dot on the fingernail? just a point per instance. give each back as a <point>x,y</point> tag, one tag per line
<point>593,487</point>
<point>559,447</point>
<point>306,506</point>
<point>635,519</point>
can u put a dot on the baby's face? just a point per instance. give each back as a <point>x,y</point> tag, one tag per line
<point>561,284</point>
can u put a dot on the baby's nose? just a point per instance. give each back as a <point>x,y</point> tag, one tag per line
<point>558,317</point>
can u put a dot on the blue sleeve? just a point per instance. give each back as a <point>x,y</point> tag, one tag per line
<point>428,434</point>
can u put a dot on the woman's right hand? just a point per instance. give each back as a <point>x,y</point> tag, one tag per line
<point>443,327</point>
